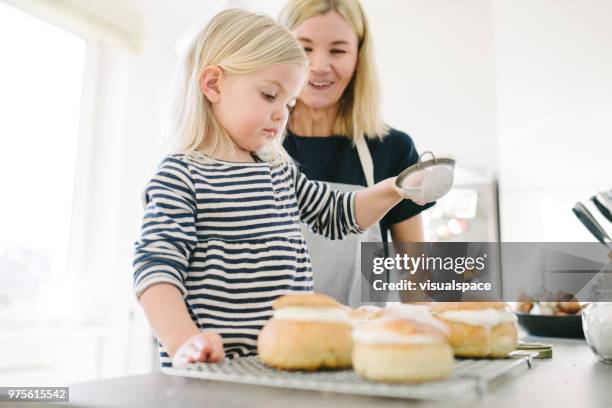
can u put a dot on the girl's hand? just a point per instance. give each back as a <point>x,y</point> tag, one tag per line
<point>204,347</point>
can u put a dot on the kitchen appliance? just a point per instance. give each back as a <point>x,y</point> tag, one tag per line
<point>468,213</point>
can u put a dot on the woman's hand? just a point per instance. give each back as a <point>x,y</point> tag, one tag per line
<point>204,347</point>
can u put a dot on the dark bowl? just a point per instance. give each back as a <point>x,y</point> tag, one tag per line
<point>569,326</point>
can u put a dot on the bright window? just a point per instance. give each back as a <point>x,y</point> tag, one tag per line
<point>41,77</point>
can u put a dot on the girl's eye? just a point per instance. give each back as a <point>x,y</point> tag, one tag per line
<point>337,51</point>
<point>268,97</point>
<point>307,49</point>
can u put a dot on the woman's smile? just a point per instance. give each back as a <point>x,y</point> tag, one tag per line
<point>320,85</point>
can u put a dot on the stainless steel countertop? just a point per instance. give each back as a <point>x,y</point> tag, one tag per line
<point>573,377</point>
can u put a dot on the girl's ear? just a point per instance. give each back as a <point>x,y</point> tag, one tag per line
<point>210,83</point>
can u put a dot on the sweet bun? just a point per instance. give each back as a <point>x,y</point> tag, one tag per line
<point>400,350</point>
<point>478,329</point>
<point>306,300</point>
<point>446,306</point>
<point>307,332</point>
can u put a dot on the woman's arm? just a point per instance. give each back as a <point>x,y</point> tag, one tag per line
<point>410,230</point>
<point>407,231</point>
<point>372,203</point>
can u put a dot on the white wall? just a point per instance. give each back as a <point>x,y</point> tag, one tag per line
<point>553,64</point>
<point>435,60</point>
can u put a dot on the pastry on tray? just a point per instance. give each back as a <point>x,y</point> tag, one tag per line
<point>401,350</point>
<point>549,304</point>
<point>306,332</point>
<point>478,329</point>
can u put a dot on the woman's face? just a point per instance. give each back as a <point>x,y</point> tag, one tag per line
<point>332,48</point>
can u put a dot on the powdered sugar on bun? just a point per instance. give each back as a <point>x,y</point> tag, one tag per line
<point>418,313</point>
<point>386,337</point>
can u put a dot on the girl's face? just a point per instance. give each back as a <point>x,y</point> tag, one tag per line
<point>331,46</point>
<point>254,108</point>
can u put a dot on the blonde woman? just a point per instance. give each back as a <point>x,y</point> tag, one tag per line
<point>220,239</point>
<point>336,134</point>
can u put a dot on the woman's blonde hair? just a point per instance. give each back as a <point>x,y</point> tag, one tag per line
<point>239,42</point>
<point>359,113</point>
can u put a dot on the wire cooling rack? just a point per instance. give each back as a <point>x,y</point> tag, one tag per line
<point>469,378</point>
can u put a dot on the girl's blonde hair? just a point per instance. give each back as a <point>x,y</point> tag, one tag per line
<point>359,113</point>
<point>239,42</point>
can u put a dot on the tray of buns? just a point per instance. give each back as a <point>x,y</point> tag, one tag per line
<point>469,378</point>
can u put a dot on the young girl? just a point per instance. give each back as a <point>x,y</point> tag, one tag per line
<point>220,238</point>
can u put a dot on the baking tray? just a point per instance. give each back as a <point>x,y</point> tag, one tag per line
<point>469,378</point>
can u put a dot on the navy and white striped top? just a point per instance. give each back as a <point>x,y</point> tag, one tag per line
<point>227,235</point>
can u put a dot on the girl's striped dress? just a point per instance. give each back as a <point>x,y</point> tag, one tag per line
<point>227,236</point>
